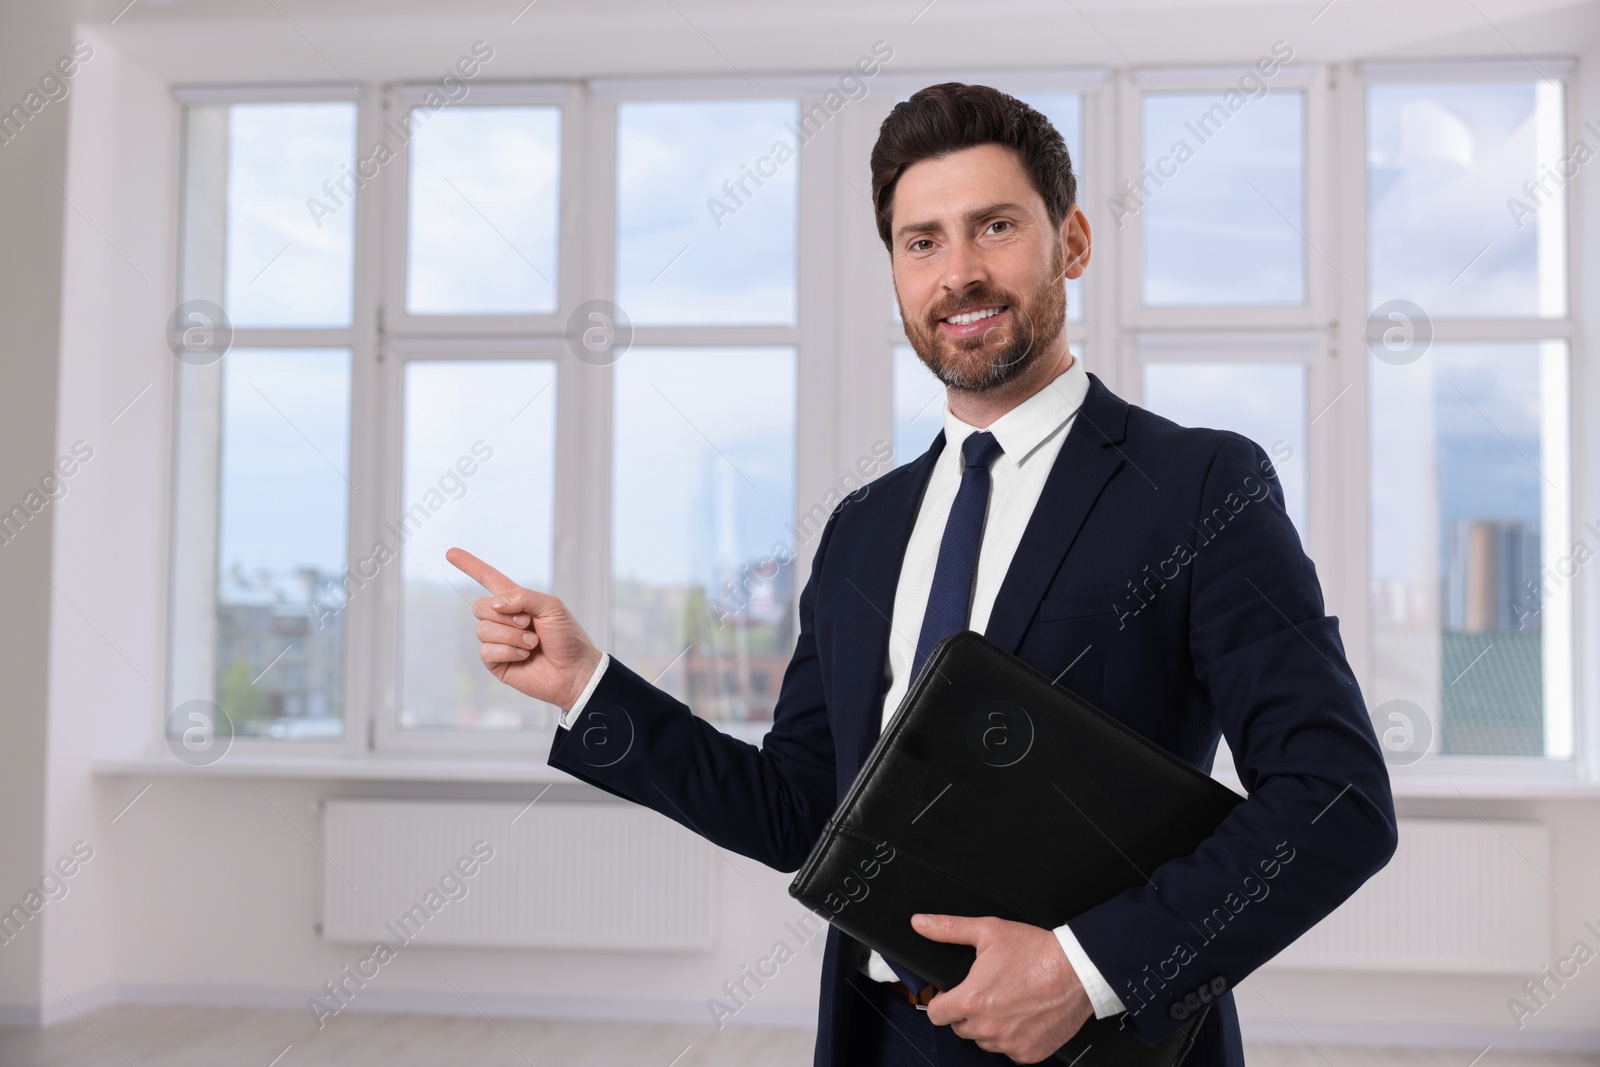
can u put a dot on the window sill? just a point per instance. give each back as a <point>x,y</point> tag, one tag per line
<point>378,769</point>
<point>394,767</point>
<point>536,771</point>
<point>1474,787</point>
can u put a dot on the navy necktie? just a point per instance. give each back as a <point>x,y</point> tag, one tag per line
<point>950,599</point>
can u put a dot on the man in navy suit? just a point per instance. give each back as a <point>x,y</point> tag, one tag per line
<point>1152,568</point>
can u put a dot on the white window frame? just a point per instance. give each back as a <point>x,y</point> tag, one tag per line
<point>1354,79</point>
<point>405,337</point>
<point>196,438</point>
<point>808,337</point>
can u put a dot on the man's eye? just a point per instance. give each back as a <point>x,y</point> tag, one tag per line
<point>998,222</point>
<point>919,241</point>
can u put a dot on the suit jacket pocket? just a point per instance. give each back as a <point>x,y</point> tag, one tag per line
<point>1077,604</point>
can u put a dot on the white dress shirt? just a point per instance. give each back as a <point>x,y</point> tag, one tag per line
<point>1031,435</point>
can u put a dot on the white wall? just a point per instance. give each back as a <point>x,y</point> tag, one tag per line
<point>115,384</point>
<point>224,911</point>
<point>1467,1011</point>
<point>31,214</point>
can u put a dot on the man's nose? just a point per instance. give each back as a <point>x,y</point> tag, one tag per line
<point>963,267</point>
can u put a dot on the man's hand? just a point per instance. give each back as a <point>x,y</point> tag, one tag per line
<point>1021,998</point>
<point>531,642</point>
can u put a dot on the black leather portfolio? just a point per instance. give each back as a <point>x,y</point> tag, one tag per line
<point>993,791</point>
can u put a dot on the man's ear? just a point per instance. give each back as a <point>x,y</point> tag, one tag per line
<point>1077,241</point>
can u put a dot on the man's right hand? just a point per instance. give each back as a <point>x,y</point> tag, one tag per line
<point>531,642</point>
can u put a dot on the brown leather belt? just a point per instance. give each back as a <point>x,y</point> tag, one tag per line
<point>921,1004</point>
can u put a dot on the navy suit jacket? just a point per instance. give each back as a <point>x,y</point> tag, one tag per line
<point>1161,572</point>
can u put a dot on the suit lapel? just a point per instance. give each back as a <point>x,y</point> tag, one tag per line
<point>1087,460</point>
<point>876,579</point>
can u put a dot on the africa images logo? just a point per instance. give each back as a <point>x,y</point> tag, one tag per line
<point>999,732</point>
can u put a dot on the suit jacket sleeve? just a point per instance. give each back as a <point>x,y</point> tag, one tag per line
<point>1319,819</point>
<point>768,803</point>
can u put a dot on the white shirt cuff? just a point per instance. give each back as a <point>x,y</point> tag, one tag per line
<point>1106,1002</point>
<point>583,697</point>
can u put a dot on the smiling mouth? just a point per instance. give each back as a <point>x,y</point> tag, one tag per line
<point>966,318</point>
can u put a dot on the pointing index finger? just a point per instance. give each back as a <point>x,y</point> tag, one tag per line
<point>480,572</point>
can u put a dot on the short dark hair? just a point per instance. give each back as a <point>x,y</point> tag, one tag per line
<point>948,117</point>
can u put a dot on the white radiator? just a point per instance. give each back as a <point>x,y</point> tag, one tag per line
<point>1459,896</point>
<point>583,876</point>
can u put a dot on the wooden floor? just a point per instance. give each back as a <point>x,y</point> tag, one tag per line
<point>205,1037</point>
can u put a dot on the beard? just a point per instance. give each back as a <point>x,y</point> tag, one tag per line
<point>1001,354</point>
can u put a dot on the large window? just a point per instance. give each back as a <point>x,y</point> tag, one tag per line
<point>625,340</point>
<point>263,451</point>
<point>1217,221</point>
<point>1468,418</point>
<point>704,431</point>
